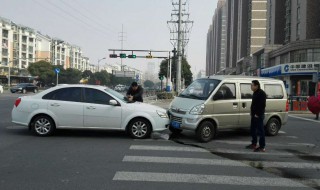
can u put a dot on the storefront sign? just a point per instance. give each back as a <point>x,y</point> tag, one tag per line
<point>305,68</point>
<point>271,71</point>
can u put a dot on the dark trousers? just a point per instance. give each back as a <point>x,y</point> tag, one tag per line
<point>257,129</point>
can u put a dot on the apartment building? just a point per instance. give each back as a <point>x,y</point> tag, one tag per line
<point>43,45</point>
<point>294,34</point>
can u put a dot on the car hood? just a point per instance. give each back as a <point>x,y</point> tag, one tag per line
<point>139,106</point>
<point>185,104</point>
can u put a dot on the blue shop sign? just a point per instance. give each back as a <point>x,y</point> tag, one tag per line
<point>271,71</point>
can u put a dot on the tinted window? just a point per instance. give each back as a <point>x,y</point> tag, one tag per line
<point>65,94</point>
<point>246,92</point>
<point>273,91</point>
<point>227,91</point>
<point>96,96</point>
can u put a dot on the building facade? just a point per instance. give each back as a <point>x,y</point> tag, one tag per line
<point>294,33</point>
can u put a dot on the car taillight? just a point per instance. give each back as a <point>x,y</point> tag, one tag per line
<point>17,102</point>
<point>287,106</point>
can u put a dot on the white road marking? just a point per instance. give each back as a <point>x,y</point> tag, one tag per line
<point>167,148</point>
<point>220,162</point>
<point>206,179</point>
<point>306,119</point>
<point>215,150</point>
<point>269,144</point>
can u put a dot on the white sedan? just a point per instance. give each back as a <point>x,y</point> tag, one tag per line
<point>1,88</point>
<point>89,107</point>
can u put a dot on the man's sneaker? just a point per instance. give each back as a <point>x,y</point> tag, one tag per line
<point>251,146</point>
<point>259,149</point>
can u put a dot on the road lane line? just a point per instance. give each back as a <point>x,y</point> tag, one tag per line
<point>216,150</point>
<point>179,160</point>
<point>206,179</point>
<point>167,148</point>
<point>306,119</point>
<point>269,144</point>
<point>220,162</point>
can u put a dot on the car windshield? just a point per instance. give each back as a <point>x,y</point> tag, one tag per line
<point>117,95</point>
<point>200,89</point>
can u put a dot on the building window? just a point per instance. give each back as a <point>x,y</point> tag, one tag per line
<point>316,55</point>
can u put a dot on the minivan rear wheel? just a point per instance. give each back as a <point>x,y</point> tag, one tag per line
<point>273,127</point>
<point>206,131</point>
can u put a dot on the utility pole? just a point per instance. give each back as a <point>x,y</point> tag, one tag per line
<point>121,36</point>
<point>179,30</point>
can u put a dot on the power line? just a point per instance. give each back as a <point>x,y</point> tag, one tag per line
<point>88,18</point>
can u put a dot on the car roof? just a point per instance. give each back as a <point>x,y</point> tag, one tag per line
<point>240,77</point>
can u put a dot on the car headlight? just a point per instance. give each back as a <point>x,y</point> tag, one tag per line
<point>162,114</point>
<point>197,110</point>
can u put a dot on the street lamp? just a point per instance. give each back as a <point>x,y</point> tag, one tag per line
<point>99,63</point>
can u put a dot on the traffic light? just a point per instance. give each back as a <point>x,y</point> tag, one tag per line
<point>149,56</point>
<point>113,55</point>
<point>123,55</point>
<point>132,56</point>
<point>160,76</point>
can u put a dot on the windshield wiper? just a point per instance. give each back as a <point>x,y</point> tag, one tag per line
<point>194,96</point>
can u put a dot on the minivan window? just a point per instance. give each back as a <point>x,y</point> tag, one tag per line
<point>274,91</point>
<point>245,90</point>
<point>227,91</point>
<point>200,89</point>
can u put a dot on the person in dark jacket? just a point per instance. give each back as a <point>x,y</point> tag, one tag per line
<point>258,106</point>
<point>135,92</point>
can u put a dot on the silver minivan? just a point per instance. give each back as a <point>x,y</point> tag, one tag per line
<point>223,102</point>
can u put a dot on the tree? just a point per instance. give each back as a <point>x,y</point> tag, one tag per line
<point>185,68</point>
<point>103,77</point>
<point>43,70</point>
<point>70,76</point>
<point>148,83</point>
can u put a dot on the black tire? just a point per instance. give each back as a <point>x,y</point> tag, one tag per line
<point>139,128</point>
<point>175,131</point>
<point>43,126</point>
<point>206,131</point>
<point>24,91</point>
<point>273,126</point>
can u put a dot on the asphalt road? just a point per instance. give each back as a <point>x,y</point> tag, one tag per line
<point>85,159</point>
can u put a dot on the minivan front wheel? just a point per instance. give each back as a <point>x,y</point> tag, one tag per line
<point>273,127</point>
<point>206,131</point>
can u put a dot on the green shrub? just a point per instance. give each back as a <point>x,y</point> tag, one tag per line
<point>165,95</point>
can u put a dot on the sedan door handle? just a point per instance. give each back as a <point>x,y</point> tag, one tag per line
<point>91,108</point>
<point>55,105</point>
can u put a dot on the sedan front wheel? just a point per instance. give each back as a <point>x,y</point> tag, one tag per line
<point>139,128</point>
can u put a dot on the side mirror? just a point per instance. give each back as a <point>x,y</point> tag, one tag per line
<point>218,95</point>
<point>113,102</point>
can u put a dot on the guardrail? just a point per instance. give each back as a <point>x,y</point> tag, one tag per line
<point>298,103</point>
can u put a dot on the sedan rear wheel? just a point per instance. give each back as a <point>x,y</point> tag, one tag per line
<point>139,128</point>
<point>43,126</point>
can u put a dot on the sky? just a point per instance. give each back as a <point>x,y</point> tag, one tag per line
<point>95,26</point>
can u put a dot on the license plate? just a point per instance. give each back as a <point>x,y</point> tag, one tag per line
<point>175,124</point>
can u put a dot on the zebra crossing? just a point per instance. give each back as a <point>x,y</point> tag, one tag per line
<point>169,155</point>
